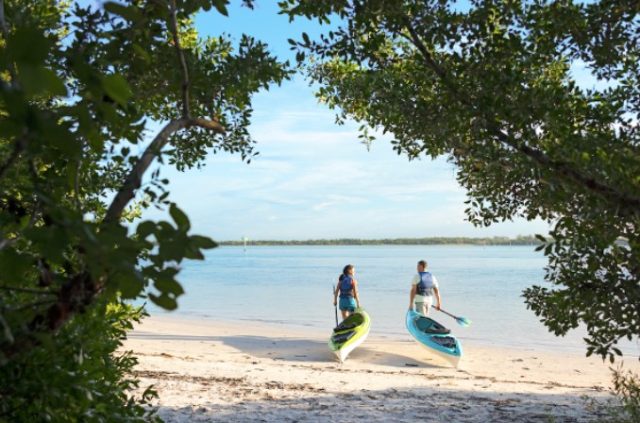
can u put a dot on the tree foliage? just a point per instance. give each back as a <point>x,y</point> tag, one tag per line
<point>492,86</point>
<point>626,387</point>
<point>81,90</point>
<point>76,375</point>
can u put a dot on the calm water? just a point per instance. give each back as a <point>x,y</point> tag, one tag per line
<point>286,285</point>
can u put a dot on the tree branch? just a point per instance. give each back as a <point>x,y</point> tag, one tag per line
<point>31,305</point>
<point>186,113</point>
<point>624,200</point>
<point>26,290</point>
<point>81,289</point>
<point>134,179</point>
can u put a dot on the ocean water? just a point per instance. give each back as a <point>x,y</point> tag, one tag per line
<point>292,285</point>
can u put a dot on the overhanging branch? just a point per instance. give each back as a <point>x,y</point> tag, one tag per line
<point>26,290</point>
<point>186,113</point>
<point>134,179</point>
<point>81,289</point>
<point>624,200</point>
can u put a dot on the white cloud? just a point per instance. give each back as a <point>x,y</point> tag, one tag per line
<point>315,180</point>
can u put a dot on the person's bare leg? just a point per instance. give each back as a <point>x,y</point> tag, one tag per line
<point>345,314</point>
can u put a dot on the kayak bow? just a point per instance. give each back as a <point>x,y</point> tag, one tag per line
<point>434,337</point>
<point>350,334</point>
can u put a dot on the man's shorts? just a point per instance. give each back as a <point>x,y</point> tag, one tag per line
<point>424,306</point>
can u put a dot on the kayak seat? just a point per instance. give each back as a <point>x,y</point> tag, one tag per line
<point>431,327</point>
<point>437,331</point>
<point>343,337</point>
<point>444,341</point>
<point>345,326</point>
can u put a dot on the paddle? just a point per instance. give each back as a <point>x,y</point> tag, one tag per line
<point>462,321</point>
<point>335,306</point>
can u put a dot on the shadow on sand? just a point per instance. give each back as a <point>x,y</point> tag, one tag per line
<point>292,349</point>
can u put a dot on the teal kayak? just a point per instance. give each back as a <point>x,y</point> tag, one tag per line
<point>434,337</point>
<point>350,334</point>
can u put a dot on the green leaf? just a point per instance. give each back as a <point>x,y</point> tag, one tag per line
<point>142,53</point>
<point>51,241</point>
<point>164,301</point>
<point>202,242</point>
<point>168,286</point>
<point>171,250</point>
<point>28,46</point>
<point>117,88</point>
<point>131,13</point>
<point>13,265</point>
<point>178,216</point>
<point>541,238</point>
<point>193,253</point>
<point>38,80</point>
<point>129,284</point>
<point>221,6</point>
<point>145,228</point>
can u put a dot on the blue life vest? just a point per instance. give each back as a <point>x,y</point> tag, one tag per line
<point>346,286</point>
<point>425,286</point>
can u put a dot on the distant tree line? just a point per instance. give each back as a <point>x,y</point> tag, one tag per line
<point>496,240</point>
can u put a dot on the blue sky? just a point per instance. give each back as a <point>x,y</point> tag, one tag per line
<point>314,179</point>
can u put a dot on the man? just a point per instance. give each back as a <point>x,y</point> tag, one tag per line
<point>423,288</point>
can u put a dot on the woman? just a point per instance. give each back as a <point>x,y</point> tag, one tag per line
<point>347,288</point>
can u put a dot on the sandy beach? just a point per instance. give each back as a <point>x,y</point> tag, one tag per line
<point>236,372</point>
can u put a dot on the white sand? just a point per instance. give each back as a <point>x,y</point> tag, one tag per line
<point>235,372</point>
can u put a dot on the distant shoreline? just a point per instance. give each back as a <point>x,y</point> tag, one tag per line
<point>520,240</point>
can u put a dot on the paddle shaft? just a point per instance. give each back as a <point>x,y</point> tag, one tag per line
<point>447,313</point>
<point>335,306</point>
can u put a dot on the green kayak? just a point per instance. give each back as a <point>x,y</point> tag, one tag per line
<point>350,333</point>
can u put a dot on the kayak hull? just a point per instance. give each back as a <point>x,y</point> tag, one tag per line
<point>434,337</point>
<point>344,352</point>
<point>356,329</point>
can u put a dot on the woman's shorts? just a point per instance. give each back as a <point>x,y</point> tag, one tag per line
<point>347,304</point>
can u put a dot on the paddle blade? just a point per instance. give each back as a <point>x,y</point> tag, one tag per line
<point>463,321</point>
